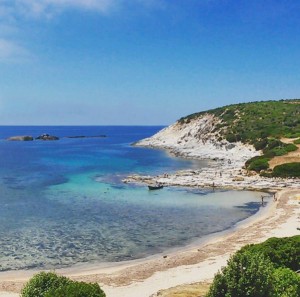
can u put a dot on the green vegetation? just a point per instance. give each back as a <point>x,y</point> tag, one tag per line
<point>271,148</point>
<point>287,170</point>
<point>49,284</point>
<point>261,270</point>
<point>250,122</point>
<point>297,141</point>
<point>261,124</point>
<point>246,274</point>
<point>286,283</point>
<point>258,163</point>
<point>283,252</point>
<point>76,289</point>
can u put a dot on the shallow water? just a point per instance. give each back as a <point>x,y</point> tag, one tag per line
<point>63,202</point>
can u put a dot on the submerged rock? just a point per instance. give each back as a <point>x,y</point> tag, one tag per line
<point>47,137</point>
<point>20,138</point>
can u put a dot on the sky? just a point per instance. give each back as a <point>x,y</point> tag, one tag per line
<point>142,62</point>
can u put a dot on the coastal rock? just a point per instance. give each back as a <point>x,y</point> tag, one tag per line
<point>198,138</point>
<point>47,137</point>
<point>20,138</point>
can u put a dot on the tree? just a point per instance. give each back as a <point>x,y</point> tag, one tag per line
<point>49,284</point>
<point>246,274</point>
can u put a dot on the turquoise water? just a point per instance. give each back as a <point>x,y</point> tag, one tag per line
<point>63,202</point>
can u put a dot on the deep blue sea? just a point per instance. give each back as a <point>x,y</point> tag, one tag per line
<point>63,202</point>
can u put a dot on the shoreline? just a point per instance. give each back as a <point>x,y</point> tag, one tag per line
<point>193,263</point>
<point>198,261</point>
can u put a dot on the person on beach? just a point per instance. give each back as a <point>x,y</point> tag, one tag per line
<point>262,200</point>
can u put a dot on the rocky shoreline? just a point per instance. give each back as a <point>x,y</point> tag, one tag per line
<point>197,140</point>
<point>215,178</point>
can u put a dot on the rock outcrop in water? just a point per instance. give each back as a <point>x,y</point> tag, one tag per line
<point>20,138</point>
<point>47,137</point>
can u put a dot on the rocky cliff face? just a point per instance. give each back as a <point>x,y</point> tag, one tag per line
<point>199,138</point>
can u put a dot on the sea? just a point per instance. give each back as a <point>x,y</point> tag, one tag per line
<point>63,202</point>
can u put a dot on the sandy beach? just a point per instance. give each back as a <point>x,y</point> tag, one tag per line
<point>144,278</point>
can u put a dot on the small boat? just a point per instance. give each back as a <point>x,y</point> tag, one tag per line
<point>155,187</point>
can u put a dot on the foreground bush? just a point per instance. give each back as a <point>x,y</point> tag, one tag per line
<point>286,283</point>
<point>42,282</point>
<point>283,252</point>
<point>49,284</point>
<point>246,274</point>
<point>261,271</point>
<point>77,289</point>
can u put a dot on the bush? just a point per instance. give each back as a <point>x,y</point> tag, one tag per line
<point>283,252</point>
<point>259,164</point>
<point>286,283</point>
<point>297,141</point>
<point>42,282</point>
<point>287,170</point>
<point>291,147</point>
<point>292,135</point>
<point>252,271</point>
<point>231,138</point>
<point>48,284</point>
<point>246,274</point>
<point>77,289</point>
<point>261,144</point>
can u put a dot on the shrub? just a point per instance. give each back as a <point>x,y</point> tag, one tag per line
<point>283,252</point>
<point>261,144</point>
<point>272,143</point>
<point>297,141</point>
<point>77,289</point>
<point>286,283</point>
<point>49,284</point>
<point>252,271</point>
<point>287,170</point>
<point>259,164</point>
<point>231,138</point>
<point>246,274</point>
<point>292,135</point>
<point>291,147</point>
<point>42,282</point>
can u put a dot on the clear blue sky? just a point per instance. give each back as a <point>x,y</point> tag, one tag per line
<point>103,62</point>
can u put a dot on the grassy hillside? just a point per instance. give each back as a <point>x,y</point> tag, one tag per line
<point>248,122</point>
<point>263,124</point>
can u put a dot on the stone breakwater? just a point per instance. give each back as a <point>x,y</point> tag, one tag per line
<point>198,139</point>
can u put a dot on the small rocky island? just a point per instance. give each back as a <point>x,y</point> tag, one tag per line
<point>20,138</point>
<point>47,137</point>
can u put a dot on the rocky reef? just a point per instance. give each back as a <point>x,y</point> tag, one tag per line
<point>20,138</point>
<point>47,137</point>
